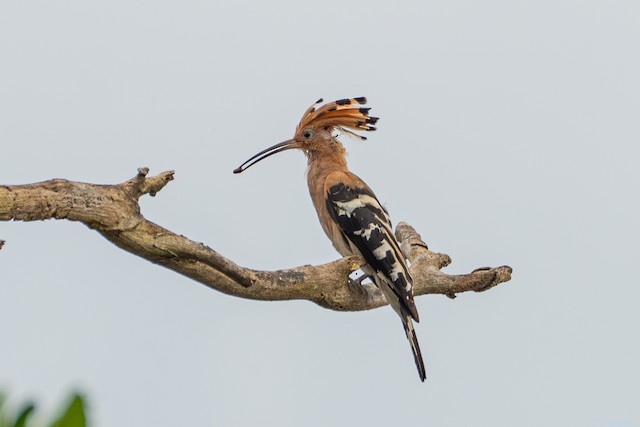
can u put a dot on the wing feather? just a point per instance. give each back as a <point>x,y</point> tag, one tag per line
<point>366,224</point>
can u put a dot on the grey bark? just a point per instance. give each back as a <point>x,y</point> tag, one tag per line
<point>114,212</point>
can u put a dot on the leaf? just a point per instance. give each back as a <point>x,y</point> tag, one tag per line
<point>73,416</point>
<point>3,418</point>
<point>21,421</point>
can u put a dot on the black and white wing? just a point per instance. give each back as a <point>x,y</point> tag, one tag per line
<point>366,224</point>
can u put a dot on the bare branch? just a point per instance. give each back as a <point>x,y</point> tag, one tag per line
<point>113,211</point>
<point>426,265</point>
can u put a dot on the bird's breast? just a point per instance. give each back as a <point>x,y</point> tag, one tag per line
<point>316,178</point>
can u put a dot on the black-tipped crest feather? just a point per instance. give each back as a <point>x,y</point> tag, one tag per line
<point>344,115</point>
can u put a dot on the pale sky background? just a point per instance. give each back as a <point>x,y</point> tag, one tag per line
<point>509,134</point>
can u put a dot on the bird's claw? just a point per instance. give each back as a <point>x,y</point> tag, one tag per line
<point>359,280</point>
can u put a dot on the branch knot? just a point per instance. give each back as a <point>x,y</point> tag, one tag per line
<point>140,185</point>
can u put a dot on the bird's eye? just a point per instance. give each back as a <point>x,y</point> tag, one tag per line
<point>308,134</point>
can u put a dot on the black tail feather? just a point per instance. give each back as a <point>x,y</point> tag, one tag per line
<point>415,347</point>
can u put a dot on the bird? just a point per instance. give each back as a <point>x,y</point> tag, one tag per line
<point>348,210</point>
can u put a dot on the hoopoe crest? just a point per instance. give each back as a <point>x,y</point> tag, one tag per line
<point>348,210</point>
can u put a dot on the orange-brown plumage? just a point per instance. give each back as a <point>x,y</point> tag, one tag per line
<point>349,212</point>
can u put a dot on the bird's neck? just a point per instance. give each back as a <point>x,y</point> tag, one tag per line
<point>317,173</point>
<point>323,159</point>
<point>327,155</point>
<point>320,166</point>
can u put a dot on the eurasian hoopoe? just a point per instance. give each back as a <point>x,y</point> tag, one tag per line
<point>350,214</point>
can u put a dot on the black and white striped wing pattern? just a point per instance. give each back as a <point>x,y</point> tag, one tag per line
<point>366,224</point>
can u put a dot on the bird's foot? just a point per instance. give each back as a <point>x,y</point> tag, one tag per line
<point>359,280</point>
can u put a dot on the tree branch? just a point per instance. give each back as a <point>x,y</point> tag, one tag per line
<point>114,212</point>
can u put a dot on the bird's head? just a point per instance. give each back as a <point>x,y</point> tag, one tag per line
<point>315,132</point>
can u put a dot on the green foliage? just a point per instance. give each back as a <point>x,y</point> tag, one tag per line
<point>21,421</point>
<point>71,415</point>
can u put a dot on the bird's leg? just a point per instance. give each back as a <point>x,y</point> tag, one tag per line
<point>360,279</point>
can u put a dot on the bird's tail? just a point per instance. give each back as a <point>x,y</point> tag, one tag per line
<point>415,347</point>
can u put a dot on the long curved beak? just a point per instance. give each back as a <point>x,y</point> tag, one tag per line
<point>283,146</point>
